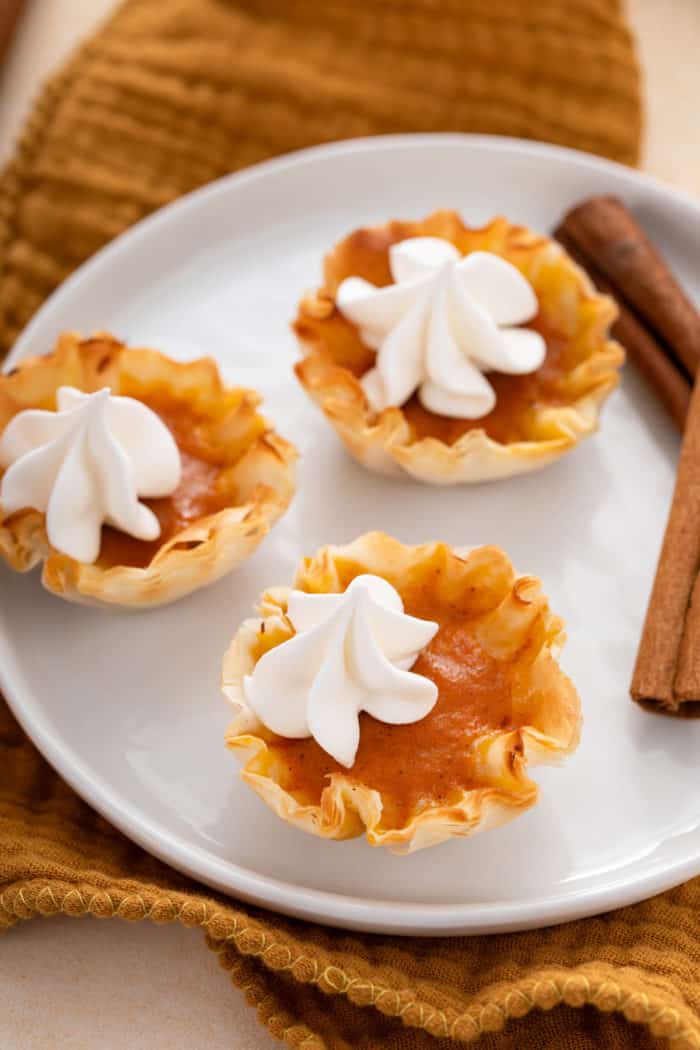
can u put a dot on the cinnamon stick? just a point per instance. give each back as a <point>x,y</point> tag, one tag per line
<point>661,330</point>
<point>649,355</point>
<point>667,671</point>
<point>603,230</point>
<point>685,686</point>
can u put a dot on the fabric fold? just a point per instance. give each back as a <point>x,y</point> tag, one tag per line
<point>163,99</point>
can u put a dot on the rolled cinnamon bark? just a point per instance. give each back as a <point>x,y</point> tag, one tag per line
<point>606,233</point>
<point>661,331</point>
<point>667,671</point>
<point>652,359</point>
<point>686,685</point>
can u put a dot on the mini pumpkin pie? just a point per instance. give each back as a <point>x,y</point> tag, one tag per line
<point>456,354</point>
<point>399,692</point>
<point>135,479</point>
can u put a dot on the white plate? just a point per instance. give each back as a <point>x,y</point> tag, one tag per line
<point>127,707</point>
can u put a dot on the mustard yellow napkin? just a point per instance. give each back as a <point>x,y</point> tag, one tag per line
<point>165,98</point>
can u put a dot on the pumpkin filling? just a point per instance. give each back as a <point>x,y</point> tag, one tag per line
<point>425,763</point>
<point>518,397</point>
<point>206,486</point>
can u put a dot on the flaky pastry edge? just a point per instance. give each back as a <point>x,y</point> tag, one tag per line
<point>195,557</point>
<point>516,616</point>
<point>383,442</point>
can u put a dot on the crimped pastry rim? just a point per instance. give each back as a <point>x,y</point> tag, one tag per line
<point>348,808</point>
<point>194,557</point>
<point>383,442</point>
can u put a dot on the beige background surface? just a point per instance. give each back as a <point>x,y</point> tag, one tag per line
<point>79,985</point>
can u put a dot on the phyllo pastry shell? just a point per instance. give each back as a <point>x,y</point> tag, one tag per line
<point>237,475</point>
<point>503,703</point>
<point>537,416</point>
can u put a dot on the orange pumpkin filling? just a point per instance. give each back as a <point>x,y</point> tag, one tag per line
<point>427,762</point>
<point>206,487</point>
<point>366,254</point>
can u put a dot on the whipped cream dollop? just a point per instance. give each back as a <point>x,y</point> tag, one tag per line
<point>86,465</point>
<point>351,653</point>
<point>445,321</point>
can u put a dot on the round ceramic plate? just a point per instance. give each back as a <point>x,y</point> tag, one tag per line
<point>127,706</point>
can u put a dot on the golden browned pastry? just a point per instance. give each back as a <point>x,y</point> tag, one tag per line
<point>515,422</point>
<point>235,475</point>
<point>425,766</point>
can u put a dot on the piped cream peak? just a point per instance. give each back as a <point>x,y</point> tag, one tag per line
<point>445,321</point>
<point>86,465</point>
<point>351,653</point>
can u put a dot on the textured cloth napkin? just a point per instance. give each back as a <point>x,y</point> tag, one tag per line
<point>163,99</point>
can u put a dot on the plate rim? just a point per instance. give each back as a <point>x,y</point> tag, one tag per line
<point>287,161</point>
<point>350,912</point>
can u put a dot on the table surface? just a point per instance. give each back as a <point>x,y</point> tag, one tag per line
<point>62,981</point>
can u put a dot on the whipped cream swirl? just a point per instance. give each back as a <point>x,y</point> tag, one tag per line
<point>351,653</point>
<point>85,465</point>
<point>445,321</point>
